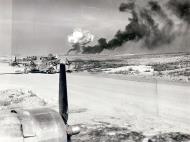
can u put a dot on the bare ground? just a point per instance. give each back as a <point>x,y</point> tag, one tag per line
<point>93,97</point>
<point>170,67</point>
<point>105,132</point>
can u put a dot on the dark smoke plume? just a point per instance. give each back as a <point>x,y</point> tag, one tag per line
<point>155,6</point>
<point>181,8</point>
<point>124,6</point>
<point>150,24</point>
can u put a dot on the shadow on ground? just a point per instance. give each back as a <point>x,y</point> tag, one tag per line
<point>108,133</point>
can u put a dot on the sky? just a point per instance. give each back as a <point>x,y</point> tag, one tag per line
<point>42,26</point>
<point>5,26</point>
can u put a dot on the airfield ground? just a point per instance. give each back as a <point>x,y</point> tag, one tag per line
<point>111,107</point>
<point>168,67</point>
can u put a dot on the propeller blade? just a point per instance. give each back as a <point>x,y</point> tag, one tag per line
<point>63,100</point>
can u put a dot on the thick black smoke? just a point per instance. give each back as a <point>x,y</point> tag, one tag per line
<point>150,24</point>
<point>127,6</point>
<point>133,31</point>
<point>181,8</point>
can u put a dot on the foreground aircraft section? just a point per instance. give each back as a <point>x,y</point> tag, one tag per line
<point>39,125</point>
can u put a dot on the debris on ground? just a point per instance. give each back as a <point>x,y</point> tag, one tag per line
<point>19,98</point>
<point>109,133</point>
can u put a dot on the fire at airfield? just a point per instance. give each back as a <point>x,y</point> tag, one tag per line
<point>133,86</point>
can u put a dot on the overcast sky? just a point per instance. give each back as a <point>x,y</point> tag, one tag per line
<point>5,26</point>
<point>42,26</point>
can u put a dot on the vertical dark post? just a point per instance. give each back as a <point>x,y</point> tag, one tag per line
<point>63,100</point>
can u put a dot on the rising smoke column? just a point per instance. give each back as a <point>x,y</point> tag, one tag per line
<point>152,22</point>
<point>78,39</point>
<point>181,8</point>
<point>98,48</point>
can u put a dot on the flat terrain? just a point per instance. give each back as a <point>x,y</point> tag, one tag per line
<point>103,97</point>
<point>148,107</point>
<point>170,67</point>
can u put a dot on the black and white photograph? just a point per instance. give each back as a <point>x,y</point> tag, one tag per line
<point>94,70</point>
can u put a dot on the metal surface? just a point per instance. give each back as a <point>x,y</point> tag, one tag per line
<point>47,125</point>
<point>63,100</point>
<point>37,125</point>
<point>10,127</point>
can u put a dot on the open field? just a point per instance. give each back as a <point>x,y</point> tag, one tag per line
<point>117,106</point>
<point>170,67</point>
<point>113,108</point>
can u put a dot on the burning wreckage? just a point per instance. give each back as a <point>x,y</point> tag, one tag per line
<point>33,64</point>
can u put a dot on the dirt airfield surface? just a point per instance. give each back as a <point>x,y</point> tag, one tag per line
<point>111,109</point>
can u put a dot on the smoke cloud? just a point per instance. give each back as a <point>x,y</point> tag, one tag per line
<point>181,8</point>
<point>153,23</point>
<point>78,39</point>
